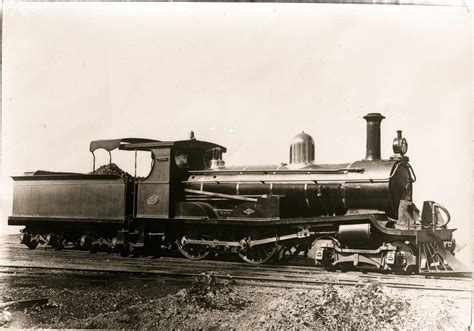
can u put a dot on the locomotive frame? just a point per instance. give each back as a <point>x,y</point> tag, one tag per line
<point>357,215</point>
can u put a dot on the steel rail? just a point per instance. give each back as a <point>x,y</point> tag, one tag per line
<point>243,279</point>
<point>287,269</point>
<point>225,266</point>
<point>301,266</point>
<point>303,270</point>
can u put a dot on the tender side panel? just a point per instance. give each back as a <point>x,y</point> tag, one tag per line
<point>101,199</point>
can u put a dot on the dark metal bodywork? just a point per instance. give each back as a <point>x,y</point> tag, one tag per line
<point>350,210</point>
<point>315,189</point>
<point>158,194</point>
<point>79,197</point>
<point>53,196</point>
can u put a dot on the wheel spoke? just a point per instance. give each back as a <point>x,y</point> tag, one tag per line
<point>258,254</point>
<point>192,251</point>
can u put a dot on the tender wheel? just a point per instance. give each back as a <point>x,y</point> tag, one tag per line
<point>153,247</point>
<point>51,240</point>
<point>94,248</point>
<point>192,251</point>
<point>85,242</point>
<point>60,243</point>
<point>124,249</point>
<point>260,253</point>
<point>30,243</point>
<point>135,251</point>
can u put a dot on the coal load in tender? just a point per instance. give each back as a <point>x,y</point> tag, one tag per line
<point>110,169</point>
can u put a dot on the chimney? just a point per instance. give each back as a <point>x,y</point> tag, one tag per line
<point>373,136</point>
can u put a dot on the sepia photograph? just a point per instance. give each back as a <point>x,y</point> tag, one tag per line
<point>236,165</point>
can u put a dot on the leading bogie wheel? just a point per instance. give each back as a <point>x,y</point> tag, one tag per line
<point>408,253</point>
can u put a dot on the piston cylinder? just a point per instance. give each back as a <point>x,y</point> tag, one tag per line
<point>354,233</point>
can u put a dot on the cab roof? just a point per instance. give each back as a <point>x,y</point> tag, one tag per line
<point>111,144</point>
<point>130,144</point>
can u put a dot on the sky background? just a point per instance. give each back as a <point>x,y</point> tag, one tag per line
<point>246,76</point>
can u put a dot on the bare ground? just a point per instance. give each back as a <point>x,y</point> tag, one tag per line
<point>85,300</point>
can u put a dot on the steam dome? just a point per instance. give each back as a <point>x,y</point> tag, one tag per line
<point>302,149</point>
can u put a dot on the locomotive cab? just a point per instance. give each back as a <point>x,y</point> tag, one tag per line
<point>158,193</point>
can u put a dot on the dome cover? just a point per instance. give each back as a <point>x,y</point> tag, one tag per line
<point>302,149</point>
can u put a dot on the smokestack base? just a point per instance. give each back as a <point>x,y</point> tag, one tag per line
<point>373,136</point>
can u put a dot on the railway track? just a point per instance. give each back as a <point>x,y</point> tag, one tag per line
<point>15,258</point>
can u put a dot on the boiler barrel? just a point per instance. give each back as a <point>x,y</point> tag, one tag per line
<point>314,190</point>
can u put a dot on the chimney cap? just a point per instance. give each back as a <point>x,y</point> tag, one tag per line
<point>374,117</point>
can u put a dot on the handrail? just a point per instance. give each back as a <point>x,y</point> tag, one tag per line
<point>93,162</point>
<point>412,172</point>
<point>301,171</point>
<point>290,181</point>
<point>435,216</point>
<point>282,171</point>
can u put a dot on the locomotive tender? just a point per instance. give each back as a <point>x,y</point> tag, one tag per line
<point>357,214</point>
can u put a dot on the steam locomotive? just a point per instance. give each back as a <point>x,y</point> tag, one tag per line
<point>356,215</point>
